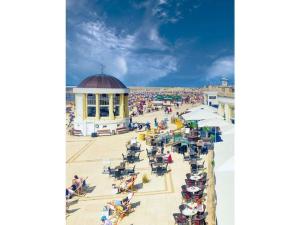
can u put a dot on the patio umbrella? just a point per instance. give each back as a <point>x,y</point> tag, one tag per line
<point>200,114</point>
<point>216,122</point>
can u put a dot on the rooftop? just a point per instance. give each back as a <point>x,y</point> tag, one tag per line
<point>101,81</point>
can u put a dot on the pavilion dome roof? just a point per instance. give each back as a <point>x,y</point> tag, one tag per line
<point>101,81</point>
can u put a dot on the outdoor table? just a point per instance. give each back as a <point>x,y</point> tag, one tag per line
<point>130,153</point>
<point>189,212</point>
<point>195,177</point>
<point>120,168</point>
<point>193,161</point>
<point>195,206</point>
<point>191,209</point>
<point>159,164</point>
<point>193,189</point>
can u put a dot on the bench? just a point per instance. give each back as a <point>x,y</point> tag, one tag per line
<point>77,132</point>
<point>104,132</point>
<point>122,130</point>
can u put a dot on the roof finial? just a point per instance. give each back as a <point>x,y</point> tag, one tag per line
<point>102,68</point>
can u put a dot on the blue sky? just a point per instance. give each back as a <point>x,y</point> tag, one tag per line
<point>151,43</point>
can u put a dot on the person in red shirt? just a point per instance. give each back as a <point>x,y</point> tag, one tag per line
<point>169,157</point>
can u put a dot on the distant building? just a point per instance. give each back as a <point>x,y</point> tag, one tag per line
<point>70,96</point>
<point>101,102</point>
<point>221,97</point>
<point>226,108</point>
<point>211,98</point>
<point>224,82</point>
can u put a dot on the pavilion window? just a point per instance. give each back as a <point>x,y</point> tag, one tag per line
<point>104,105</point>
<point>91,105</point>
<point>117,105</point>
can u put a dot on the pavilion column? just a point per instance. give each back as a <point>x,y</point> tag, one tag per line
<point>84,106</point>
<point>126,105</point>
<point>97,106</point>
<point>122,110</point>
<point>226,111</point>
<point>111,106</point>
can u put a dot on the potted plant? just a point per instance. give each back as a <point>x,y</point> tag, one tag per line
<point>145,179</point>
<point>213,163</point>
<point>206,130</point>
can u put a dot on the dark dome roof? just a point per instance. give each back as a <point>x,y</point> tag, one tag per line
<point>101,81</point>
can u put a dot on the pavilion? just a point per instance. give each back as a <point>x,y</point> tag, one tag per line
<point>101,103</point>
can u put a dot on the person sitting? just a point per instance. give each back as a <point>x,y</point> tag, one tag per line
<point>127,185</point>
<point>122,207</point>
<point>79,183</point>
<point>105,221</point>
<point>69,193</point>
<point>199,143</point>
<point>169,159</point>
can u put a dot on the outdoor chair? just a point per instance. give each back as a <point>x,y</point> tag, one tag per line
<point>193,157</point>
<point>153,153</point>
<point>180,219</point>
<point>160,170</point>
<point>111,172</point>
<point>194,168</point>
<point>131,171</point>
<point>186,196</point>
<point>203,175</point>
<point>199,219</point>
<point>186,157</point>
<point>148,153</point>
<point>201,166</point>
<point>188,176</point>
<point>151,159</point>
<point>196,221</point>
<point>153,169</point>
<point>181,208</point>
<point>166,167</point>
<point>124,158</point>
<point>189,182</point>
<point>159,159</point>
<point>130,158</point>
<point>204,150</point>
<point>197,196</point>
<point>201,186</point>
<point>117,174</point>
<point>203,180</point>
<point>137,157</point>
<point>182,149</point>
<point>183,187</point>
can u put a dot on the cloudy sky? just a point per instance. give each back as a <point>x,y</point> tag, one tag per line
<point>151,43</point>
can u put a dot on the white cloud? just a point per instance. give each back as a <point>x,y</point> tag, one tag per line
<point>122,54</point>
<point>161,2</point>
<point>121,65</point>
<point>223,66</point>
